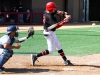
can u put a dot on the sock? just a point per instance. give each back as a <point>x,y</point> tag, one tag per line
<point>44,52</point>
<point>62,54</point>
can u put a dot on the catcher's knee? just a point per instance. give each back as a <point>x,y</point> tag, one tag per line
<point>8,54</point>
<point>11,53</point>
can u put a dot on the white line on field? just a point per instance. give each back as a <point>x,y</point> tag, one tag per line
<point>93,62</point>
<point>94,30</point>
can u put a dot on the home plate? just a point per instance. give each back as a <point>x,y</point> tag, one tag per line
<point>68,69</point>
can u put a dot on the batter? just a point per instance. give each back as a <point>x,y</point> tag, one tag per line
<point>50,26</point>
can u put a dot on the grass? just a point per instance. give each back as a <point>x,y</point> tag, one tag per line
<point>75,42</point>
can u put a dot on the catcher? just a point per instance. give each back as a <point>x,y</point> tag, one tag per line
<point>6,43</point>
<point>50,26</point>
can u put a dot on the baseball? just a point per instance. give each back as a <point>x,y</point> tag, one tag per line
<point>93,24</point>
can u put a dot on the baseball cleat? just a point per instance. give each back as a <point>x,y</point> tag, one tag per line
<point>68,63</point>
<point>2,68</point>
<point>33,58</point>
<point>0,71</point>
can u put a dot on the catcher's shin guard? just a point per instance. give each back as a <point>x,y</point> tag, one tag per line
<point>5,57</point>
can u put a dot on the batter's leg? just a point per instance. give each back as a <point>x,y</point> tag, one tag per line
<point>60,51</point>
<point>50,43</point>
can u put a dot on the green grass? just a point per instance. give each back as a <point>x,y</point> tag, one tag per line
<point>75,42</point>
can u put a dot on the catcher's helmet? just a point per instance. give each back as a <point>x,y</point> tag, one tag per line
<point>50,6</point>
<point>11,28</point>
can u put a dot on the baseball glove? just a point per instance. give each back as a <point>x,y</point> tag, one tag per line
<point>30,32</point>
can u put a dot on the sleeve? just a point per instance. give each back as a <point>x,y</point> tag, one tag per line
<point>16,40</point>
<point>5,39</point>
<point>45,19</point>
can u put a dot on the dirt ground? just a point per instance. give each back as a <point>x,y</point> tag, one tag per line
<point>52,65</point>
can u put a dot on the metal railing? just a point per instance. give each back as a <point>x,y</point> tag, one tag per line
<point>34,17</point>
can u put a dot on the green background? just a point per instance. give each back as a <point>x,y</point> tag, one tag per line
<point>74,41</point>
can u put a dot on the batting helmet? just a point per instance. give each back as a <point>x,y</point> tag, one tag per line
<point>11,28</point>
<point>50,6</point>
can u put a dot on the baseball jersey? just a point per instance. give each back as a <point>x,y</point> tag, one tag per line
<point>6,39</point>
<point>49,19</point>
<point>20,8</point>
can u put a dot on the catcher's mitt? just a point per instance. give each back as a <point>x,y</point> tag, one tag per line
<point>30,32</point>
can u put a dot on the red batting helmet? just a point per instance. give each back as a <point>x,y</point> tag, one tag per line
<point>50,6</point>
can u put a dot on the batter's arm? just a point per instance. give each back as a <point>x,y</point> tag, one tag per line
<point>58,25</point>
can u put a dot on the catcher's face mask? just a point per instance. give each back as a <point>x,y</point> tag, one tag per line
<point>16,34</point>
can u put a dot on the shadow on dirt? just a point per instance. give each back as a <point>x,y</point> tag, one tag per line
<point>37,69</point>
<point>25,70</point>
<point>95,66</point>
<point>74,65</point>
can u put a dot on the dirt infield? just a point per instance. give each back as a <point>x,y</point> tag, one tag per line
<point>52,65</point>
